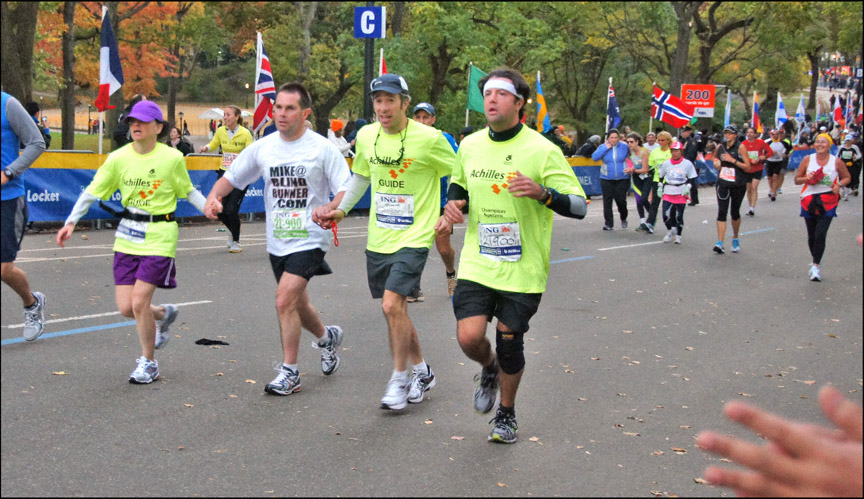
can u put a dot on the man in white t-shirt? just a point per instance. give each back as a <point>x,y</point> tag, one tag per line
<point>301,169</point>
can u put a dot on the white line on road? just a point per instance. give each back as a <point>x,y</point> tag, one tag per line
<point>106,314</point>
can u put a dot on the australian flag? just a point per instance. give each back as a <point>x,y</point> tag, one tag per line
<point>265,89</point>
<point>613,114</point>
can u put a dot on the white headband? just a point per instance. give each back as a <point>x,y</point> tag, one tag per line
<point>502,84</point>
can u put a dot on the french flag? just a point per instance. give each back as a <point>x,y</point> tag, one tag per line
<point>265,89</point>
<point>110,71</point>
<point>670,109</point>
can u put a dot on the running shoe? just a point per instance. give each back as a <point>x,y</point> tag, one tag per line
<point>34,318</point>
<point>669,235</point>
<point>235,247</point>
<point>417,297</point>
<point>607,227</point>
<point>771,196</point>
<point>855,192</point>
<point>421,383</point>
<point>451,285</point>
<point>623,224</point>
<point>677,239</point>
<point>505,428</point>
<point>230,241</point>
<point>396,397</point>
<point>718,248</point>
<point>814,273</point>
<point>486,393</point>
<point>147,371</point>
<point>735,246</point>
<point>162,326</point>
<point>642,228</point>
<point>329,352</point>
<point>649,228</point>
<point>751,212</point>
<point>779,191</point>
<point>285,383</point>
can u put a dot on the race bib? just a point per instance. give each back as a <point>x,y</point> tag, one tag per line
<point>846,154</point>
<point>500,242</point>
<point>131,230</point>
<point>394,211</point>
<point>227,159</point>
<point>754,155</point>
<point>289,224</point>
<point>727,173</point>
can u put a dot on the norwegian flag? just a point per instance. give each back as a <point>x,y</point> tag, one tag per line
<point>265,89</point>
<point>670,109</point>
<point>110,71</point>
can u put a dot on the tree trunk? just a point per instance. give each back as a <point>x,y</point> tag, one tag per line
<point>439,64</point>
<point>67,93</point>
<point>321,107</point>
<point>813,57</point>
<point>398,15</point>
<point>18,32</point>
<point>678,69</point>
<point>173,83</point>
<point>307,16</point>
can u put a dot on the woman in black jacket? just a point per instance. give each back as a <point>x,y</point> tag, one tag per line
<point>177,141</point>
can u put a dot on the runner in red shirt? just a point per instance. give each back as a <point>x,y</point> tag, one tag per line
<point>758,151</point>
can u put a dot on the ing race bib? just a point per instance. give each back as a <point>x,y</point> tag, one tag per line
<point>500,242</point>
<point>132,231</point>
<point>394,211</point>
<point>227,159</point>
<point>727,173</point>
<point>289,223</point>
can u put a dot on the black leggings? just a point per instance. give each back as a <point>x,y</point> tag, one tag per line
<point>817,233</point>
<point>673,215</point>
<point>729,199</point>
<point>654,205</point>
<point>854,172</point>
<point>230,215</point>
<point>614,190</point>
<point>644,187</point>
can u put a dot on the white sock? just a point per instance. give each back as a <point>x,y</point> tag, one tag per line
<point>324,340</point>
<point>293,367</point>
<point>400,375</point>
<point>643,219</point>
<point>421,367</point>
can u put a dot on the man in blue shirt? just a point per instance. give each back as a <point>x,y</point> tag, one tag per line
<point>18,129</point>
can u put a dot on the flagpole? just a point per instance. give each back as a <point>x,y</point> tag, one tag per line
<point>607,105</point>
<point>101,115</point>
<point>651,119</point>
<point>381,63</point>
<point>258,43</point>
<point>470,65</point>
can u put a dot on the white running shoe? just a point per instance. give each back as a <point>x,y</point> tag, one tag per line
<point>235,247</point>
<point>421,383</point>
<point>147,371</point>
<point>329,352</point>
<point>814,273</point>
<point>34,318</point>
<point>677,239</point>
<point>396,397</point>
<point>285,383</point>
<point>669,236</point>
<point>162,326</point>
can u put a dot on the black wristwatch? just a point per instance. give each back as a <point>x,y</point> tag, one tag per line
<point>9,173</point>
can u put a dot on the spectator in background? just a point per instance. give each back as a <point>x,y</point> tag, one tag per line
<point>352,137</point>
<point>33,110</point>
<point>121,131</point>
<point>468,130</point>
<point>554,135</point>
<point>613,180</point>
<point>177,141</point>
<point>334,135</point>
<point>349,131</point>
<point>589,147</point>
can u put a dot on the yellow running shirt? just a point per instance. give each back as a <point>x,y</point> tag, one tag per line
<point>148,183</point>
<point>230,147</point>
<point>508,239</point>
<point>405,170</point>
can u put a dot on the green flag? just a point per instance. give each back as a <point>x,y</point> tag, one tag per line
<point>475,96</point>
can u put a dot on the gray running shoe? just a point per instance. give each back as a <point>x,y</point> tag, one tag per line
<point>329,352</point>
<point>396,397</point>
<point>235,247</point>
<point>162,326</point>
<point>147,371</point>
<point>34,318</point>
<point>486,393</point>
<point>505,428</point>
<point>285,383</point>
<point>421,383</point>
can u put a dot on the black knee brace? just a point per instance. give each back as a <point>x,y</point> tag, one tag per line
<point>510,349</point>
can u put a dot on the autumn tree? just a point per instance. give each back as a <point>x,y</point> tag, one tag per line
<point>18,31</point>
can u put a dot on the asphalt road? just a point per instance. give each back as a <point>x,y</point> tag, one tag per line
<point>636,347</point>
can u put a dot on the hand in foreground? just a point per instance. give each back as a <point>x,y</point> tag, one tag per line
<point>326,216</point>
<point>453,212</point>
<point>799,459</point>
<point>522,186</point>
<point>213,208</point>
<point>442,226</point>
<point>64,234</point>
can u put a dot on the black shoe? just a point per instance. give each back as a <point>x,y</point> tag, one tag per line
<point>607,227</point>
<point>623,224</point>
<point>505,428</point>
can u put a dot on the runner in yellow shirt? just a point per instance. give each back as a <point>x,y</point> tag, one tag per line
<point>230,139</point>
<point>404,161</point>
<point>515,179</point>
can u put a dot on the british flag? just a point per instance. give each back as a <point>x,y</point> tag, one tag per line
<point>670,109</point>
<point>265,89</point>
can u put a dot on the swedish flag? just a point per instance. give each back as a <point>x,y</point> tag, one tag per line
<point>543,123</point>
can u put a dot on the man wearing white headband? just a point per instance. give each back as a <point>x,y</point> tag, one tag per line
<point>404,162</point>
<point>515,178</point>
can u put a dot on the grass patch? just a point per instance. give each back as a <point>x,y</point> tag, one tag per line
<point>83,142</point>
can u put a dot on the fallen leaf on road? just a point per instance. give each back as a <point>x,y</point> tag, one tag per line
<point>180,447</point>
<point>632,434</point>
<point>690,349</point>
<point>806,382</point>
<point>454,437</point>
<point>534,439</point>
<point>657,453</point>
<point>250,381</point>
<point>59,373</point>
<point>502,484</point>
<point>582,399</point>
<point>701,480</point>
<point>745,394</point>
<point>678,450</point>
<point>428,421</point>
<point>725,460</point>
<point>189,405</point>
<point>233,396</point>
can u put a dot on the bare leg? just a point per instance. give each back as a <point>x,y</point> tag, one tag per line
<point>17,280</point>
<point>289,296</point>
<point>404,343</point>
<point>471,333</point>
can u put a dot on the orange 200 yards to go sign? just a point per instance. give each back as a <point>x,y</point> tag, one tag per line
<point>701,97</point>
